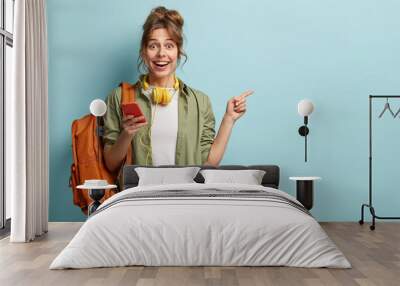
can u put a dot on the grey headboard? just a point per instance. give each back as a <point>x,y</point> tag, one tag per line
<point>271,178</point>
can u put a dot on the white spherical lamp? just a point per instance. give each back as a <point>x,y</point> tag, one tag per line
<point>305,107</point>
<point>98,107</point>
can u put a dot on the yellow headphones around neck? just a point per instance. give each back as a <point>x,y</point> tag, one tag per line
<point>160,95</point>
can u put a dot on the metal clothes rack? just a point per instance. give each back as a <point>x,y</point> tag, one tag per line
<point>369,205</point>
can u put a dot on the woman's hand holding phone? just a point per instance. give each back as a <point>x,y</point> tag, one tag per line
<point>132,119</point>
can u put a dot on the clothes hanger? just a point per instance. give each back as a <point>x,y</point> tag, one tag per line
<point>397,113</point>
<point>387,107</point>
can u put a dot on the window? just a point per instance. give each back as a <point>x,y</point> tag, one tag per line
<point>6,45</point>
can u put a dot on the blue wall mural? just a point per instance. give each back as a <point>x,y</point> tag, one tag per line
<point>334,53</point>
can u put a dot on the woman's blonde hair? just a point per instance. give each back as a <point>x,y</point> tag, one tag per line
<point>159,18</point>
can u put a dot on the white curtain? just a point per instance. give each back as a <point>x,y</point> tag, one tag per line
<point>27,127</point>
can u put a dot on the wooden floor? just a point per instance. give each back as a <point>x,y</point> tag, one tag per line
<point>374,255</point>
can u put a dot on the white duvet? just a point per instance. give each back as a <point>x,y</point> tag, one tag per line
<point>185,231</point>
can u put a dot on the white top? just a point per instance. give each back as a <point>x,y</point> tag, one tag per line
<point>164,130</point>
<point>304,178</point>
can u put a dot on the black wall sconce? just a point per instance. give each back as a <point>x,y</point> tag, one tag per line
<point>305,108</point>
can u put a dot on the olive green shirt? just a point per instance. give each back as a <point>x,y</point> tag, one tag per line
<point>196,126</point>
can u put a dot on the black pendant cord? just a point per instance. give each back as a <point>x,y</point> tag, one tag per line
<point>99,133</point>
<point>369,205</point>
<point>305,146</point>
<point>98,138</point>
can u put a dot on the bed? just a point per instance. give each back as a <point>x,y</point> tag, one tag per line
<point>201,224</point>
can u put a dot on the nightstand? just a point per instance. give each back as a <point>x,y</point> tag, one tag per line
<point>96,189</point>
<point>305,190</point>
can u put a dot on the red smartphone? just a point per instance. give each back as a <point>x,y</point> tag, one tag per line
<point>133,109</point>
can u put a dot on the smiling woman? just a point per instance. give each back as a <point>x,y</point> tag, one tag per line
<point>178,124</point>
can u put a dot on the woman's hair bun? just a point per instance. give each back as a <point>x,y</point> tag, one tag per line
<point>163,13</point>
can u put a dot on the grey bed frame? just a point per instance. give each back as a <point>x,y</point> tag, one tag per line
<point>271,178</point>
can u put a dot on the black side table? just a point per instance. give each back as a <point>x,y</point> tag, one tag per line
<point>305,190</point>
<point>96,195</point>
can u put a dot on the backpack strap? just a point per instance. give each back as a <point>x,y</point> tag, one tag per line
<point>128,95</point>
<point>127,92</point>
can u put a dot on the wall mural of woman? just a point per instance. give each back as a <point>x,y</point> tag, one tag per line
<point>180,123</point>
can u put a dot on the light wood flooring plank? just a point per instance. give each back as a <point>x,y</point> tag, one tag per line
<point>374,255</point>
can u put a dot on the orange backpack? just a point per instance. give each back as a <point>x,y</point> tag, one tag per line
<point>88,161</point>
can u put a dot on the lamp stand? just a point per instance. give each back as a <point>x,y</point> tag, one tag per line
<point>99,133</point>
<point>304,131</point>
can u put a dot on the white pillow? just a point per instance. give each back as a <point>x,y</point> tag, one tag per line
<point>162,176</point>
<point>249,177</point>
